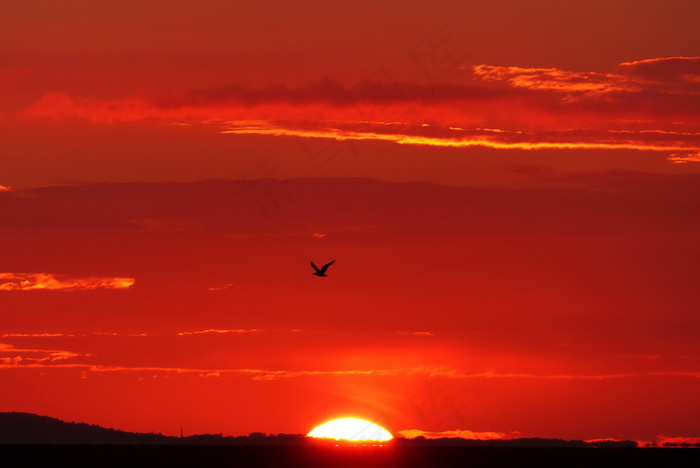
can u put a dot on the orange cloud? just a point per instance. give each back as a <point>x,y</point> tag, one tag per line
<point>149,335</point>
<point>491,138</point>
<point>664,70</point>
<point>48,281</point>
<point>553,79</point>
<point>679,441</point>
<point>201,332</point>
<point>221,288</point>
<point>460,433</point>
<point>684,158</point>
<point>667,75</point>
<point>646,105</point>
<point>49,361</point>
<point>36,335</point>
<point>506,375</point>
<point>13,357</point>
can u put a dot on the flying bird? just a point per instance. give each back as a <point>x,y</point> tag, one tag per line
<point>321,271</point>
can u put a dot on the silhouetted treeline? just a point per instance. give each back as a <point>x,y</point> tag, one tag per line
<point>27,428</point>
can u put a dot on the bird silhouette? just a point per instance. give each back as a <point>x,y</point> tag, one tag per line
<point>321,271</point>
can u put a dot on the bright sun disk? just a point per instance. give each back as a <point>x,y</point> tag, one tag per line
<point>351,429</point>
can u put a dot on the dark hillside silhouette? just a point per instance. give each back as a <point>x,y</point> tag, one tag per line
<point>29,440</point>
<point>27,428</point>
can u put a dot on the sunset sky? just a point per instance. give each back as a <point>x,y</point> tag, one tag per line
<point>510,191</point>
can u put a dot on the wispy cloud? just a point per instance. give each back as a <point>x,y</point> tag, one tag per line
<point>508,375</point>
<point>417,333</point>
<point>553,79</point>
<point>649,105</point>
<point>665,71</point>
<point>36,335</point>
<point>684,158</point>
<point>48,362</point>
<point>459,433</point>
<point>49,281</point>
<point>152,335</point>
<point>221,288</point>
<point>13,357</point>
<point>668,75</point>
<point>455,137</point>
<point>666,440</point>
<point>220,332</point>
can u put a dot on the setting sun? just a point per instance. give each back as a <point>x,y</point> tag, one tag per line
<point>238,221</point>
<point>351,429</point>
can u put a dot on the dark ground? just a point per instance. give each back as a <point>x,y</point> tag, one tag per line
<point>301,456</point>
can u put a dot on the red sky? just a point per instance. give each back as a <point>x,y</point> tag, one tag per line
<point>509,189</point>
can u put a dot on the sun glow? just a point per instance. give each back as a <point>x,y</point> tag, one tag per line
<point>351,429</point>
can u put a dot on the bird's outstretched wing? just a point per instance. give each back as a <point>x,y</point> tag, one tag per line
<point>325,267</point>
<point>316,268</point>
